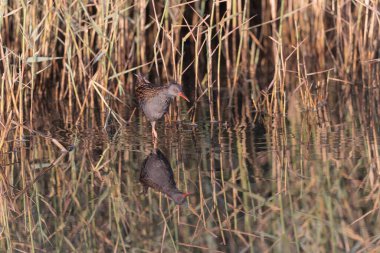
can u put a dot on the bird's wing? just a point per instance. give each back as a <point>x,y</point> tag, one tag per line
<point>147,91</point>
<point>141,80</point>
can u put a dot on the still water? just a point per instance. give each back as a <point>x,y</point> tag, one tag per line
<point>300,183</point>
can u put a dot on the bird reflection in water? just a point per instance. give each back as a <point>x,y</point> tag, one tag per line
<point>157,173</point>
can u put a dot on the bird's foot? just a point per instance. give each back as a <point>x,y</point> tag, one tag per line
<point>144,191</point>
<point>154,134</point>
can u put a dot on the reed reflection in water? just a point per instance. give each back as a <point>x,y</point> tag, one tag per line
<point>299,185</point>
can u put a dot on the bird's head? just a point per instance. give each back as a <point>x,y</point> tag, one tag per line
<point>179,197</point>
<point>175,90</point>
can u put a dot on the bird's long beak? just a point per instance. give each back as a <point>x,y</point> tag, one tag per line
<point>183,96</point>
<point>187,194</point>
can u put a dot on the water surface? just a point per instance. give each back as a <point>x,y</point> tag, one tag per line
<point>297,183</point>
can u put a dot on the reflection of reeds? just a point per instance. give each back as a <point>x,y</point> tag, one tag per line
<point>302,188</point>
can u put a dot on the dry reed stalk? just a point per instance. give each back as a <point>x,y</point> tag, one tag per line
<point>86,52</point>
<point>90,40</point>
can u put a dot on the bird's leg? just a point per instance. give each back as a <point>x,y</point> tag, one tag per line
<point>154,132</point>
<point>145,190</point>
<point>154,145</point>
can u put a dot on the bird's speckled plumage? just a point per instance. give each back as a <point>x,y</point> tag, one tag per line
<point>153,98</point>
<point>153,101</point>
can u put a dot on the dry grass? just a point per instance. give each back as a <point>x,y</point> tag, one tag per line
<point>82,51</point>
<point>309,70</point>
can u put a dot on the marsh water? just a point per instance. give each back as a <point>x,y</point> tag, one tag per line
<point>279,144</point>
<point>307,181</point>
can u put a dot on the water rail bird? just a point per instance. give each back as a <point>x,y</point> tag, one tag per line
<point>154,99</point>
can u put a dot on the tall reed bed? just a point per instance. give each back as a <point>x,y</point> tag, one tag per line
<point>235,58</point>
<point>258,54</point>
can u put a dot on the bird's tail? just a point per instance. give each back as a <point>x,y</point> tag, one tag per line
<point>141,80</point>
